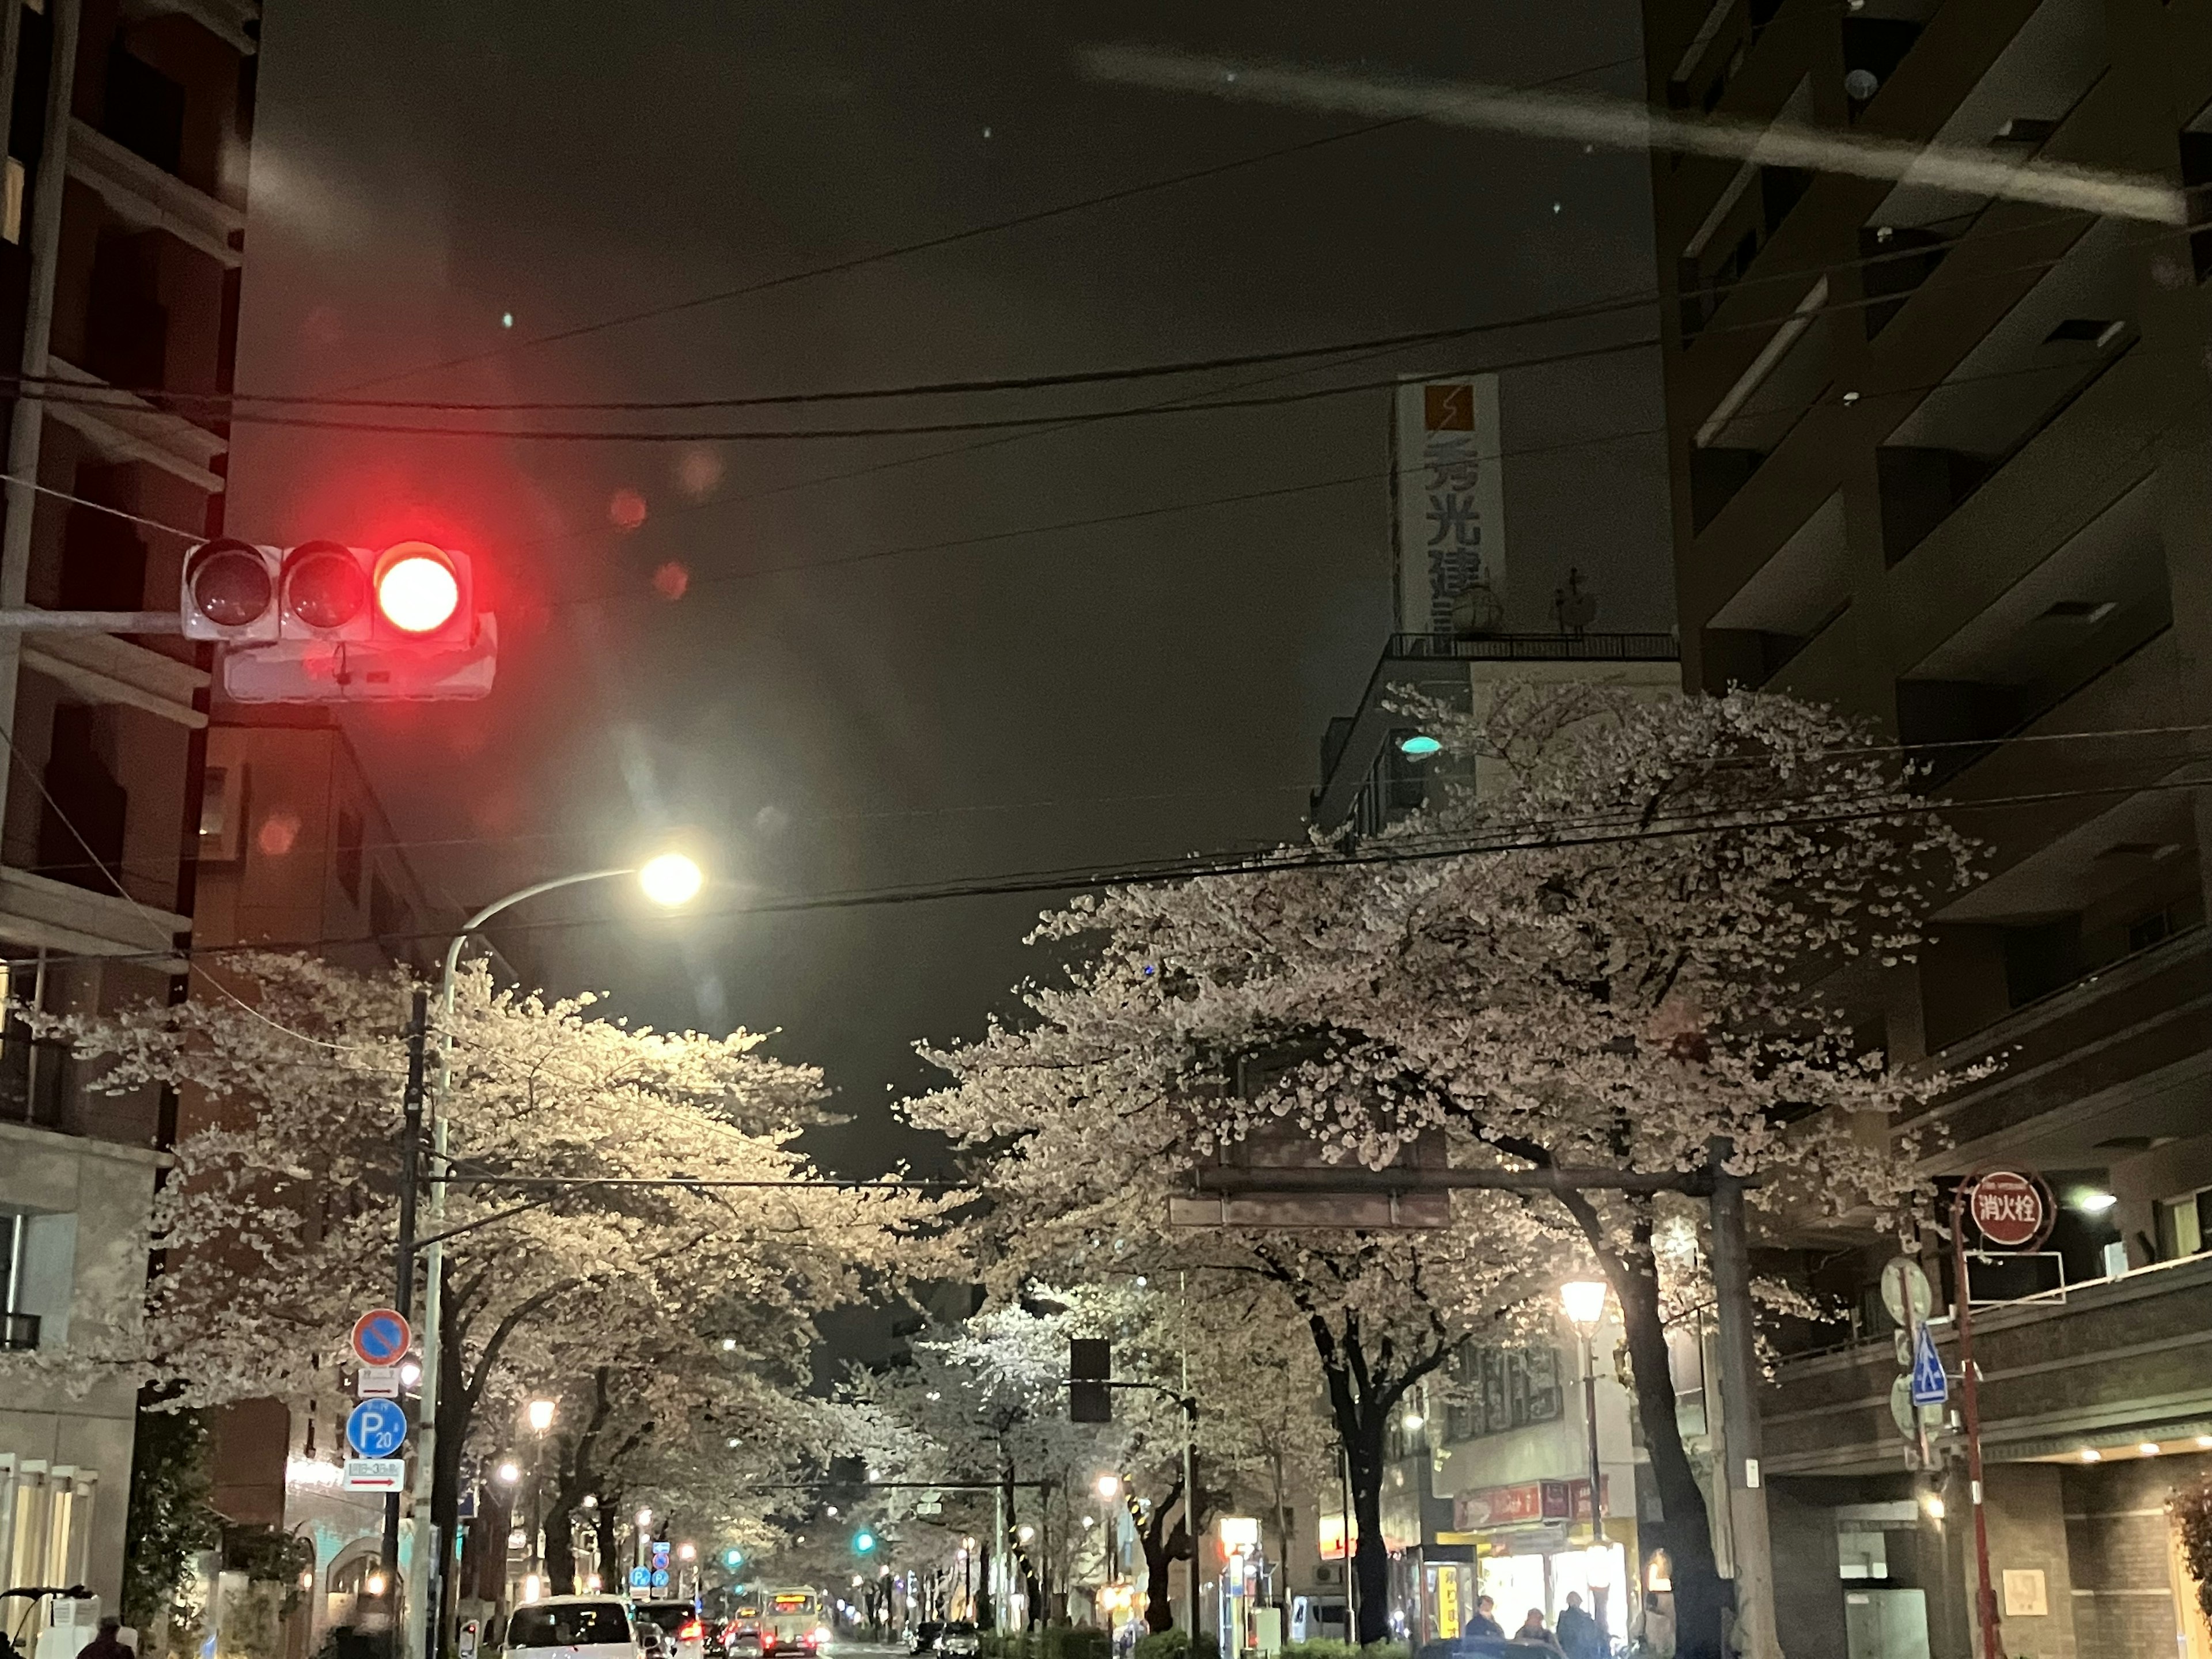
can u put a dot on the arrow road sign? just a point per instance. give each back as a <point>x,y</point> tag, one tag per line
<point>376,1428</point>
<point>380,1336</point>
<point>375,1473</point>
<point>1930,1386</point>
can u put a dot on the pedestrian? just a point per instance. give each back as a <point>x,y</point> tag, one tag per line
<point>1581,1636</point>
<point>1533,1629</point>
<point>1653,1636</point>
<point>109,1644</point>
<point>1485,1622</point>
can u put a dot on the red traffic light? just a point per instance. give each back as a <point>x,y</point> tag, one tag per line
<point>325,622</point>
<point>418,588</point>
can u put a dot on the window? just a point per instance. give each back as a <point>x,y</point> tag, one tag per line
<point>2183,1224</point>
<point>1502,1389</point>
<point>348,858</point>
<point>571,1624</point>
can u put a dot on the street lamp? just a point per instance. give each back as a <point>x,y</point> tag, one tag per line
<point>508,1472</point>
<point>670,880</point>
<point>541,1415</point>
<point>1584,1302</point>
<point>1109,1486</point>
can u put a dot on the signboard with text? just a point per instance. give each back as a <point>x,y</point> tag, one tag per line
<point>1530,1503</point>
<point>2009,1209</point>
<point>1447,497</point>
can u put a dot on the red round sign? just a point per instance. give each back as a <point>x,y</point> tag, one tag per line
<point>2008,1209</point>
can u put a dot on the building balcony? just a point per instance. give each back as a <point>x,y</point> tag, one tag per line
<point>37,911</point>
<point>123,427</point>
<point>102,668</point>
<point>142,194</point>
<point>236,23</point>
<point>2114,1363</point>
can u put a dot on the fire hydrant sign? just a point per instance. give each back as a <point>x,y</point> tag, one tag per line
<point>2008,1209</point>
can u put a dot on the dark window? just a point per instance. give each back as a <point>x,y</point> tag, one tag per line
<point>31,1068</point>
<point>1715,475</point>
<point>81,823</point>
<point>389,918</point>
<point>2197,182</point>
<point>145,110</point>
<point>347,858</point>
<point>1875,46</point>
<point>103,559</point>
<point>1895,262</point>
<point>1779,189</point>
<point>2042,958</point>
<point>569,1625</point>
<point>126,325</point>
<point>1502,1389</point>
<point>1920,489</point>
<point>2147,931</point>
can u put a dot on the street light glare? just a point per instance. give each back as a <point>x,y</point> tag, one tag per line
<point>1109,1486</point>
<point>1584,1300</point>
<point>670,879</point>
<point>508,1472</point>
<point>541,1415</point>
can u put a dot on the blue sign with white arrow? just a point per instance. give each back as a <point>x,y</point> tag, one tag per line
<point>1930,1386</point>
<point>376,1428</point>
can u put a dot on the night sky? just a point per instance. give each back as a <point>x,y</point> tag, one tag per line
<point>823,712</point>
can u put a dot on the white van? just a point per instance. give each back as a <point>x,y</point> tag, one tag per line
<point>572,1627</point>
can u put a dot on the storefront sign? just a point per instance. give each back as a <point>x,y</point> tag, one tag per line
<point>1529,1503</point>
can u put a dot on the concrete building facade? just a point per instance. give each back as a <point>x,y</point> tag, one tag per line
<point>122,219</point>
<point>1945,462</point>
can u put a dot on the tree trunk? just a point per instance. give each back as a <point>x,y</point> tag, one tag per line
<point>1686,1532</point>
<point>613,1578</point>
<point>1162,1545</point>
<point>1370,1560</point>
<point>560,1548</point>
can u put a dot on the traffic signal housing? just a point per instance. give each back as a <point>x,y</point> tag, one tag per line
<point>323,622</point>
<point>1090,1364</point>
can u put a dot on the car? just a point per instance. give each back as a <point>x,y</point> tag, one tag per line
<point>741,1643</point>
<point>958,1640</point>
<point>922,1638</point>
<point>571,1627</point>
<point>679,1621</point>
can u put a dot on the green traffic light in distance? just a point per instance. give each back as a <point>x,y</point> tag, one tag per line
<point>732,1559</point>
<point>864,1542</point>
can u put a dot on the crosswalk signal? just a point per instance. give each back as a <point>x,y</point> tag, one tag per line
<point>323,622</point>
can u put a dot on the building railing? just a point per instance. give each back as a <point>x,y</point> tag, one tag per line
<point>1536,648</point>
<point>19,1332</point>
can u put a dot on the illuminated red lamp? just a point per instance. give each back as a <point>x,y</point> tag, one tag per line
<point>419,587</point>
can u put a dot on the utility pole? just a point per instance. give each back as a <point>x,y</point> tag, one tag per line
<point>410,1161</point>
<point>1756,1636</point>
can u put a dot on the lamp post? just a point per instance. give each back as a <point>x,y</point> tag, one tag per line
<point>1584,1302</point>
<point>539,1415</point>
<point>670,880</point>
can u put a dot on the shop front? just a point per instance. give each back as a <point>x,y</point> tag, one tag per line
<point>1533,1547</point>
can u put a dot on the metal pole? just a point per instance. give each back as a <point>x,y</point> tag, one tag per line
<point>410,1161</point>
<point>1589,1417</point>
<point>1190,1504</point>
<point>424,1607</point>
<point>1756,1636</point>
<point>1985,1597</point>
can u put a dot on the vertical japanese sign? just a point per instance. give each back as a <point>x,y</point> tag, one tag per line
<point>1449,525</point>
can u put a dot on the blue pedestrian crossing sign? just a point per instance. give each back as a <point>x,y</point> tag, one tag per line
<point>1930,1386</point>
<point>376,1428</point>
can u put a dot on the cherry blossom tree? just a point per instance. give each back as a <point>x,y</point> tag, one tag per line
<point>1627,940</point>
<point>277,1226</point>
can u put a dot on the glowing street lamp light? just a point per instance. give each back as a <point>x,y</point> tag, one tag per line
<point>541,1415</point>
<point>686,1552</point>
<point>507,1473</point>
<point>1584,1302</point>
<point>671,880</point>
<point>645,1517</point>
<point>1109,1486</point>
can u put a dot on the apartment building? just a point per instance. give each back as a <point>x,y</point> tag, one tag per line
<point>121,198</point>
<point>295,852</point>
<point>1945,461</point>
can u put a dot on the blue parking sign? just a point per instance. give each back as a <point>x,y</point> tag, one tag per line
<point>640,1578</point>
<point>376,1428</point>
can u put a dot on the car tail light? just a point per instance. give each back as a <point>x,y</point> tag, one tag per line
<point>690,1630</point>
